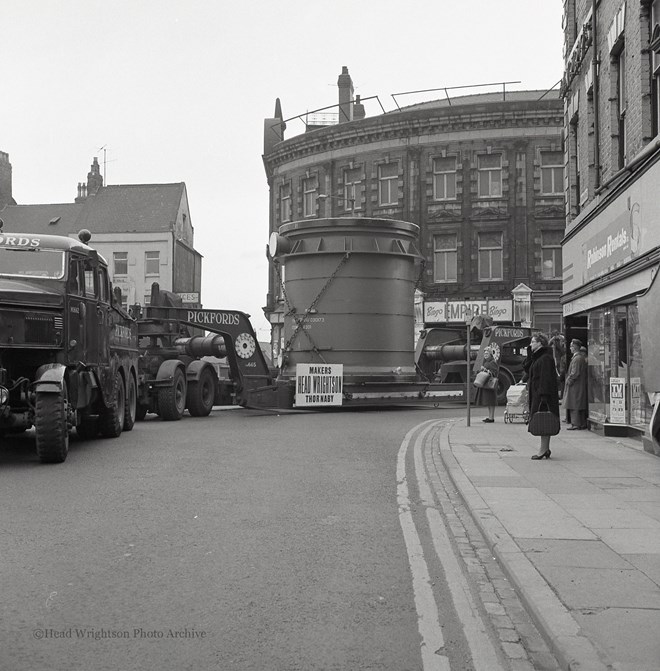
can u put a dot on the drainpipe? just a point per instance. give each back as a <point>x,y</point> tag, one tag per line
<point>594,65</point>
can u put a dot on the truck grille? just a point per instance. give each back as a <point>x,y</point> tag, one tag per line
<point>43,329</point>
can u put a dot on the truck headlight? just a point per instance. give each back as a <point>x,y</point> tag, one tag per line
<point>4,395</point>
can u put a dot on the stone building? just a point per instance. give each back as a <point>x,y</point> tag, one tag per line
<point>482,175</point>
<point>611,295</point>
<point>143,230</point>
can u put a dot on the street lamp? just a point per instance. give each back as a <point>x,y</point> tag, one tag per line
<point>468,347</point>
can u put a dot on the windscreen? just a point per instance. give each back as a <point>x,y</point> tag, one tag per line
<point>32,263</point>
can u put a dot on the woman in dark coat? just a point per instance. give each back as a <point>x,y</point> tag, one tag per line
<point>542,385</point>
<point>488,397</point>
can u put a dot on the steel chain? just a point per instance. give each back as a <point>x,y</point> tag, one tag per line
<point>301,321</point>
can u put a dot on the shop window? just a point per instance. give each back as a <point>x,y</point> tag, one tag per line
<point>388,180</point>
<point>621,106</point>
<point>489,167</point>
<point>352,181</point>
<point>445,258</point>
<point>152,263</point>
<point>120,263</point>
<point>285,202</point>
<point>551,264</point>
<point>552,173</point>
<point>310,197</point>
<point>490,257</point>
<point>444,178</point>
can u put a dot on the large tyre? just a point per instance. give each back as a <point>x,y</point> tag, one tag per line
<point>51,426</point>
<point>201,394</point>
<point>172,399</point>
<point>130,404</point>
<point>111,420</point>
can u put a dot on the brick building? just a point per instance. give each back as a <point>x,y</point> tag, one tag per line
<point>482,175</point>
<point>611,295</point>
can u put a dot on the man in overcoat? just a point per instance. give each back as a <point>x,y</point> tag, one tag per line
<point>576,401</point>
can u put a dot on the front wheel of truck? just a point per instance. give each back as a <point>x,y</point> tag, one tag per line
<point>51,426</point>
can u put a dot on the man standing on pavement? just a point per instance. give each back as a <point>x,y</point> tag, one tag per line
<point>575,391</point>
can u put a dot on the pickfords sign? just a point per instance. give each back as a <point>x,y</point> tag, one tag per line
<point>441,312</point>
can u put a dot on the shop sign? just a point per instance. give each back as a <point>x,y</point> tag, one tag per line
<point>319,385</point>
<point>440,312</point>
<point>612,236</point>
<point>188,297</point>
<point>618,400</point>
<point>635,400</point>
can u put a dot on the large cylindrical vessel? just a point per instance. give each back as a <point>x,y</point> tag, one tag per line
<point>349,296</point>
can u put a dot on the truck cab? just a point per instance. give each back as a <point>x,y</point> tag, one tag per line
<point>68,351</point>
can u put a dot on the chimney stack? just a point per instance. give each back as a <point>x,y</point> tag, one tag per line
<point>358,109</point>
<point>345,84</point>
<point>5,181</point>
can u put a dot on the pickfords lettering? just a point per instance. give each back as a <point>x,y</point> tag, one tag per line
<point>13,241</point>
<point>213,317</point>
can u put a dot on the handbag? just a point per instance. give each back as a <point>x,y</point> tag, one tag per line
<point>491,383</point>
<point>544,422</point>
<point>481,379</point>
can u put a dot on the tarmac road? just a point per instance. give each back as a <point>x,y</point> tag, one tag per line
<point>244,540</point>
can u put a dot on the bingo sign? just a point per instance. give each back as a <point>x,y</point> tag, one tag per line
<point>319,385</point>
<point>618,400</point>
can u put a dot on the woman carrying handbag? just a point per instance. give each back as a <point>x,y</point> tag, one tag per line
<point>543,394</point>
<point>487,395</point>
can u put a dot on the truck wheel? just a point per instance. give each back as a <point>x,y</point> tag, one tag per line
<point>112,418</point>
<point>172,399</point>
<point>88,427</point>
<point>201,394</point>
<point>130,406</point>
<point>141,412</point>
<point>51,427</point>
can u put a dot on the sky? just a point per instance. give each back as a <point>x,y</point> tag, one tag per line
<point>166,91</point>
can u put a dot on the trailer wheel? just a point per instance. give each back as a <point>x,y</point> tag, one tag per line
<point>172,399</point>
<point>112,418</point>
<point>201,394</point>
<point>51,426</point>
<point>130,405</point>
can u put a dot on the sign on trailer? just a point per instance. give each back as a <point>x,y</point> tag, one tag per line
<point>319,384</point>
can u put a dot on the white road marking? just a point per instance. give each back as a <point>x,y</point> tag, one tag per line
<point>428,621</point>
<point>484,656</point>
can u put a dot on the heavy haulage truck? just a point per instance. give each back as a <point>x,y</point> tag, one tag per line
<point>347,288</point>
<point>68,351</point>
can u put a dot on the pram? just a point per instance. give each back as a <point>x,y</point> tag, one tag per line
<point>517,406</point>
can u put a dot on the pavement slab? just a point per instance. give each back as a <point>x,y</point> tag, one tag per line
<point>623,634</point>
<point>580,588</point>
<point>593,554</point>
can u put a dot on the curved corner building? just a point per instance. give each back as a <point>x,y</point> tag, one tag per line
<point>481,175</point>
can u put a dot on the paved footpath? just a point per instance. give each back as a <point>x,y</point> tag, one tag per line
<point>578,535</point>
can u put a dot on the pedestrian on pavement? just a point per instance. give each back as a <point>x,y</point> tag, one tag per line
<point>542,385</point>
<point>488,397</point>
<point>575,392</point>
